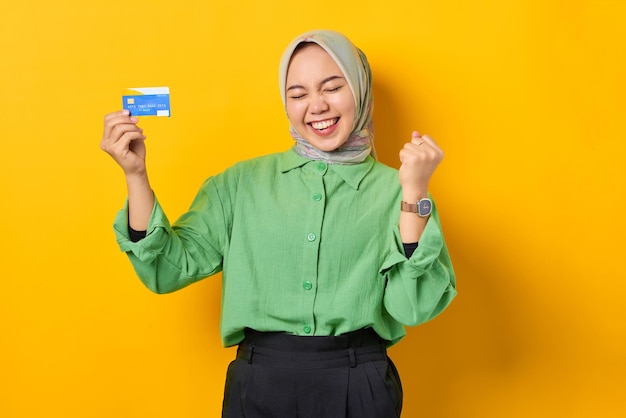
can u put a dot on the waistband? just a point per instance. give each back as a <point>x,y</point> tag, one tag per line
<point>281,350</point>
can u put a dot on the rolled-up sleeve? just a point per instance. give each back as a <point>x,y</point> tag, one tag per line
<point>152,245</point>
<point>172,257</point>
<point>422,286</point>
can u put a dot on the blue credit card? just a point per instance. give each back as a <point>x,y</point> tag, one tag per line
<point>147,101</point>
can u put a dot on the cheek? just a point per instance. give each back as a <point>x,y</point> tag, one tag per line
<point>349,113</point>
<point>294,113</point>
<point>346,104</point>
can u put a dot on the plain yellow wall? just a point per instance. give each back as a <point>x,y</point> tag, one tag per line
<point>525,97</point>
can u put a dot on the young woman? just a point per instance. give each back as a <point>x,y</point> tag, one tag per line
<point>326,253</point>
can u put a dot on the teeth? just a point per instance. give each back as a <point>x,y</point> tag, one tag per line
<point>323,124</point>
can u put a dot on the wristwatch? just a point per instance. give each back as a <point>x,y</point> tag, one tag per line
<point>423,207</point>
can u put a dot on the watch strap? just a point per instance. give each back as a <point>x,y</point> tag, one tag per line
<point>422,208</point>
<point>408,207</point>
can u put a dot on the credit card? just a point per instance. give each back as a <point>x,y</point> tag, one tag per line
<point>147,101</point>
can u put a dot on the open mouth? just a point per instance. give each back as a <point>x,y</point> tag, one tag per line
<point>324,124</point>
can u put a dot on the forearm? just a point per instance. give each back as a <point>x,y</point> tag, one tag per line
<point>140,201</point>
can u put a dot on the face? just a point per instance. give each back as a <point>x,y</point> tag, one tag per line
<point>319,102</point>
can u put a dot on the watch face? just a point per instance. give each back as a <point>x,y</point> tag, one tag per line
<point>424,207</point>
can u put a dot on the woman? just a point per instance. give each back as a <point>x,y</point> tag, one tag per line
<point>318,245</point>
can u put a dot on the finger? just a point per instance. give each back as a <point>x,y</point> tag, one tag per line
<point>402,154</point>
<point>431,143</point>
<point>419,139</point>
<point>120,129</point>
<point>122,145</point>
<point>425,142</point>
<point>429,140</point>
<point>416,146</point>
<point>117,113</point>
<point>411,154</point>
<point>416,137</point>
<point>116,118</point>
<point>116,127</point>
<point>121,138</point>
<point>408,153</point>
<point>111,118</point>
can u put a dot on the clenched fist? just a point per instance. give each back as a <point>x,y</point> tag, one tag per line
<point>419,159</point>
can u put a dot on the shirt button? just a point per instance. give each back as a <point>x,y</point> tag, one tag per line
<point>317,197</point>
<point>311,237</point>
<point>306,329</point>
<point>321,166</point>
<point>307,285</point>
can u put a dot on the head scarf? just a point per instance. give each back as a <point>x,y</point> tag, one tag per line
<point>353,63</point>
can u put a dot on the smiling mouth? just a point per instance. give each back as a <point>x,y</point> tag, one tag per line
<point>325,124</point>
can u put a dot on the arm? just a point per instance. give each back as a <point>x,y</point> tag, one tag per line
<point>123,140</point>
<point>422,286</point>
<point>166,258</point>
<point>169,257</point>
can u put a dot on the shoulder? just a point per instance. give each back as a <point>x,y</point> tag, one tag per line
<point>256,169</point>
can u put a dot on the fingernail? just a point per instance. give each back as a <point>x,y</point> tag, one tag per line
<point>134,120</point>
<point>126,112</point>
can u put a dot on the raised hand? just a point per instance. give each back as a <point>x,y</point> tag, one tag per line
<point>123,140</point>
<point>419,157</point>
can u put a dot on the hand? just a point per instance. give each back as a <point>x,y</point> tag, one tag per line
<point>124,141</point>
<point>419,159</point>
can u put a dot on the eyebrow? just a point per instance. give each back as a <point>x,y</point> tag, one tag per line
<point>324,81</point>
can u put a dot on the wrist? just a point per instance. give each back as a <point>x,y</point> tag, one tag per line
<point>413,195</point>
<point>137,177</point>
<point>138,185</point>
<point>416,200</point>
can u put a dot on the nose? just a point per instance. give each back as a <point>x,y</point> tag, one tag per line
<point>318,104</point>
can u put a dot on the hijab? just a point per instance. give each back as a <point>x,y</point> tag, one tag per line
<point>353,63</point>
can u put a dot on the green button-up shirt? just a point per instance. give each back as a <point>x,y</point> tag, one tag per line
<point>304,247</point>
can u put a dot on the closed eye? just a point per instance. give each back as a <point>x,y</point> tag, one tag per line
<point>334,89</point>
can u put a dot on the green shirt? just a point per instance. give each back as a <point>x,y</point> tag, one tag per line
<point>305,247</point>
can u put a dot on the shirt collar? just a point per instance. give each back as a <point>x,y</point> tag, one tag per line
<point>352,174</point>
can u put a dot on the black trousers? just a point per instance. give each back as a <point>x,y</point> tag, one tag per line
<point>277,375</point>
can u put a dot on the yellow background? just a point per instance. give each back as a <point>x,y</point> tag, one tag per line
<point>527,98</point>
